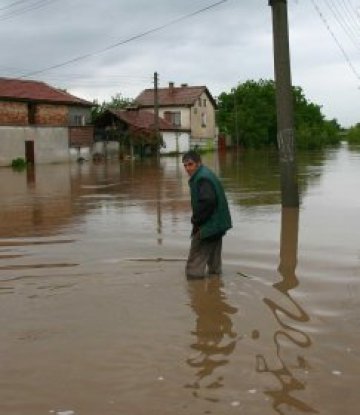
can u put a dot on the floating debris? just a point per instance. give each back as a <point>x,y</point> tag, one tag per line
<point>243,275</point>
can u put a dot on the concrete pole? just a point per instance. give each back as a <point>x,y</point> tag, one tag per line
<point>156,113</point>
<point>284,104</point>
<point>236,121</point>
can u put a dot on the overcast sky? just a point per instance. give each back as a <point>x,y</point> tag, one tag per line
<point>98,49</point>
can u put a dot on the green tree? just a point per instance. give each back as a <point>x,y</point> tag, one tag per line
<point>116,102</point>
<point>353,134</point>
<point>248,114</point>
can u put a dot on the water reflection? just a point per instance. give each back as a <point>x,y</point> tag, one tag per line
<point>215,338</point>
<point>295,314</point>
<point>31,175</point>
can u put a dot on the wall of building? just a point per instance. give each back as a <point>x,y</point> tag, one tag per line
<point>185,115</point>
<point>175,142</point>
<point>47,114</point>
<point>198,131</point>
<point>13,113</point>
<point>17,114</point>
<point>81,136</point>
<point>51,144</point>
<point>79,115</point>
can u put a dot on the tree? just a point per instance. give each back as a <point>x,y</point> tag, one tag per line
<point>117,102</point>
<point>353,134</point>
<point>249,112</point>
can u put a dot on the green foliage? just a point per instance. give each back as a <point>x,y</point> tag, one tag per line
<point>116,102</point>
<point>248,114</point>
<point>18,164</point>
<point>353,134</point>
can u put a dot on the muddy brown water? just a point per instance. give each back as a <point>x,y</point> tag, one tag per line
<point>97,318</point>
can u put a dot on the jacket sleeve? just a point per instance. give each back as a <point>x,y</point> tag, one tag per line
<point>206,202</point>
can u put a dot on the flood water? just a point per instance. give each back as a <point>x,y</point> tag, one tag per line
<point>97,317</point>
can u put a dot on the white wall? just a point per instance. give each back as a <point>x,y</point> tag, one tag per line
<point>176,142</point>
<point>185,114</point>
<point>51,144</point>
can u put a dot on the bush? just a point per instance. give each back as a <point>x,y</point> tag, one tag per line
<point>18,164</point>
<point>353,135</point>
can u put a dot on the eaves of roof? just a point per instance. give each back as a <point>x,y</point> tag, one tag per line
<point>185,96</point>
<point>36,91</point>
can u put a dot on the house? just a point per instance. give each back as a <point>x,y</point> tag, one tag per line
<point>134,131</point>
<point>189,109</point>
<point>40,123</point>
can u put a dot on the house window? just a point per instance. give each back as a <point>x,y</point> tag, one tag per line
<point>195,110</point>
<point>173,117</point>
<point>204,102</point>
<point>79,119</point>
<point>203,120</point>
<point>199,102</point>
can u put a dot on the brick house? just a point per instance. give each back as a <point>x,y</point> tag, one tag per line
<point>41,123</point>
<point>189,109</point>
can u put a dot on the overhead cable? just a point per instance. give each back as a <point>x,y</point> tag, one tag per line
<point>34,6</point>
<point>123,42</point>
<point>351,66</point>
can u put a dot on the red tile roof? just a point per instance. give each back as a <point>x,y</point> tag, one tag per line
<point>26,90</point>
<point>141,119</point>
<point>173,96</point>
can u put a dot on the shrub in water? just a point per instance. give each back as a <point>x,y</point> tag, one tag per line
<point>18,163</point>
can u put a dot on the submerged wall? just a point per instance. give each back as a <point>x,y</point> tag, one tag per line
<point>51,144</point>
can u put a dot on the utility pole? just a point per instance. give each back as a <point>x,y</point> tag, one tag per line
<point>236,121</point>
<point>156,114</point>
<point>284,104</point>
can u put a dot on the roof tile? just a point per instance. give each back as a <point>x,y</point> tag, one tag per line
<point>29,90</point>
<point>172,96</point>
<point>141,119</point>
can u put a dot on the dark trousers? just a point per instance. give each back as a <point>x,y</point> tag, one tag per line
<point>204,252</point>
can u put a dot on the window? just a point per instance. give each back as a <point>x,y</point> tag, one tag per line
<point>203,120</point>
<point>173,117</point>
<point>195,110</point>
<point>79,119</point>
<point>199,102</point>
<point>204,102</point>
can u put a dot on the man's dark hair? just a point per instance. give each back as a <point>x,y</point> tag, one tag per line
<point>191,155</point>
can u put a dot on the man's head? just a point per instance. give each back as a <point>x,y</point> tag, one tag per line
<point>191,161</point>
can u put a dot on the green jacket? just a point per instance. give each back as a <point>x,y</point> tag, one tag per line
<point>220,220</point>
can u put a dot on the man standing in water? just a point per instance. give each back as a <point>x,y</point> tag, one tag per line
<point>210,218</point>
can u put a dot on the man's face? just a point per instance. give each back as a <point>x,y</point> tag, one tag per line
<point>191,166</point>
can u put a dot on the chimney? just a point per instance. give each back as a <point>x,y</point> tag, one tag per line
<point>171,87</point>
<point>184,85</point>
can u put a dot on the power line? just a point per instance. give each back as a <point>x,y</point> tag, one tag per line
<point>352,13</point>
<point>351,66</point>
<point>9,6</point>
<point>123,42</point>
<point>15,3</point>
<point>343,23</point>
<point>34,6</point>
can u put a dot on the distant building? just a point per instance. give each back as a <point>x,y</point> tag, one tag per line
<point>189,109</point>
<point>41,123</point>
<point>134,129</point>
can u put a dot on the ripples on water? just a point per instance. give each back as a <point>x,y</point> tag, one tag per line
<point>96,313</point>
